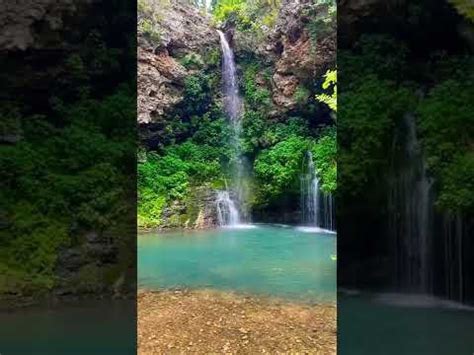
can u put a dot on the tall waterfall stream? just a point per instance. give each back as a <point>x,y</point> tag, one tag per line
<point>231,205</point>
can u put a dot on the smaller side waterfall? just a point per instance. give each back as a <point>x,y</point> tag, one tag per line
<point>227,212</point>
<point>317,207</point>
<point>412,214</point>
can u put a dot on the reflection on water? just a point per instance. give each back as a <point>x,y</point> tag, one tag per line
<point>98,327</point>
<point>406,324</point>
<point>282,262</point>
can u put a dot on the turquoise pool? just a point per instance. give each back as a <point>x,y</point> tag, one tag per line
<point>280,261</point>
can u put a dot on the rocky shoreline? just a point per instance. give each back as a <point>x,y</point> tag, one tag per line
<point>211,322</point>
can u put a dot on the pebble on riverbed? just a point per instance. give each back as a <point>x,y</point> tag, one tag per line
<point>205,322</point>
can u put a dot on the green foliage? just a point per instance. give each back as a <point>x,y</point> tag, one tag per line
<point>330,82</point>
<point>378,55</point>
<point>192,61</point>
<point>255,95</point>
<point>254,16</point>
<point>150,208</point>
<point>58,178</point>
<point>144,6</point>
<point>69,167</point>
<point>376,98</point>
<point>148,19</point>
<point>213,57</point>
<point>464,7</point>
<point>199,152</point>
<point>150,30</point>
<point>214,132</point>
<point>325,149</point>
<point>457,184</point>
<point>322,19</point>
<point>198,94</point>
<point>259,133</point>
<point>301,95</point>
<point>277,169</point>
<point>167,178</point>
<point>446,126</point>
<point>227,8</point>
<point>370,110</point>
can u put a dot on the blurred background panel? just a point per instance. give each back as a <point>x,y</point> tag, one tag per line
<point>68,216</point>
<point>406,193</point>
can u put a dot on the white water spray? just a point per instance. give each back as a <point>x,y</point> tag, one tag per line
<point>227,212</point>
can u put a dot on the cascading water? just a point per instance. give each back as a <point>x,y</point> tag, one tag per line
<point>227,212</point>
<point>411,203</point>
<point>233,108</point>
<point>317,208</point>
<point>232,100</point>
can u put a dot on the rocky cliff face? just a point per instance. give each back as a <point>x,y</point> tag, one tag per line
<point>295,55</point>
<point>35,23</point>
<point>182,30</point>
<point>298,56</point>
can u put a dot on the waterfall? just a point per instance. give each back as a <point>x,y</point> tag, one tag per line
<point>411,218</point>
<point>232,100</point>
<point>453,236</point>
<point>227,212</point>
<point>233,109</point>
<point>317,207</point>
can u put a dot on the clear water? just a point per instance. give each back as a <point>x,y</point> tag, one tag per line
<point>269,260</point>
<point>373,324</point>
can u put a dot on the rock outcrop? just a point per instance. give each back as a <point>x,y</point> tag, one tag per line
<point>198,211</point>
<point>182,30</point>
<point>297,57</point>
<point>294,55</point>
<point>33,23</point>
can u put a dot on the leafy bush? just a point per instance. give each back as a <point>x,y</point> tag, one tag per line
<point>277,169</point>
<point>446,126</point>
<point>256,96</point>
<point>163,179</point>
<point>325,149</point>
<point>192,61</point>
<point>198,94</point>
